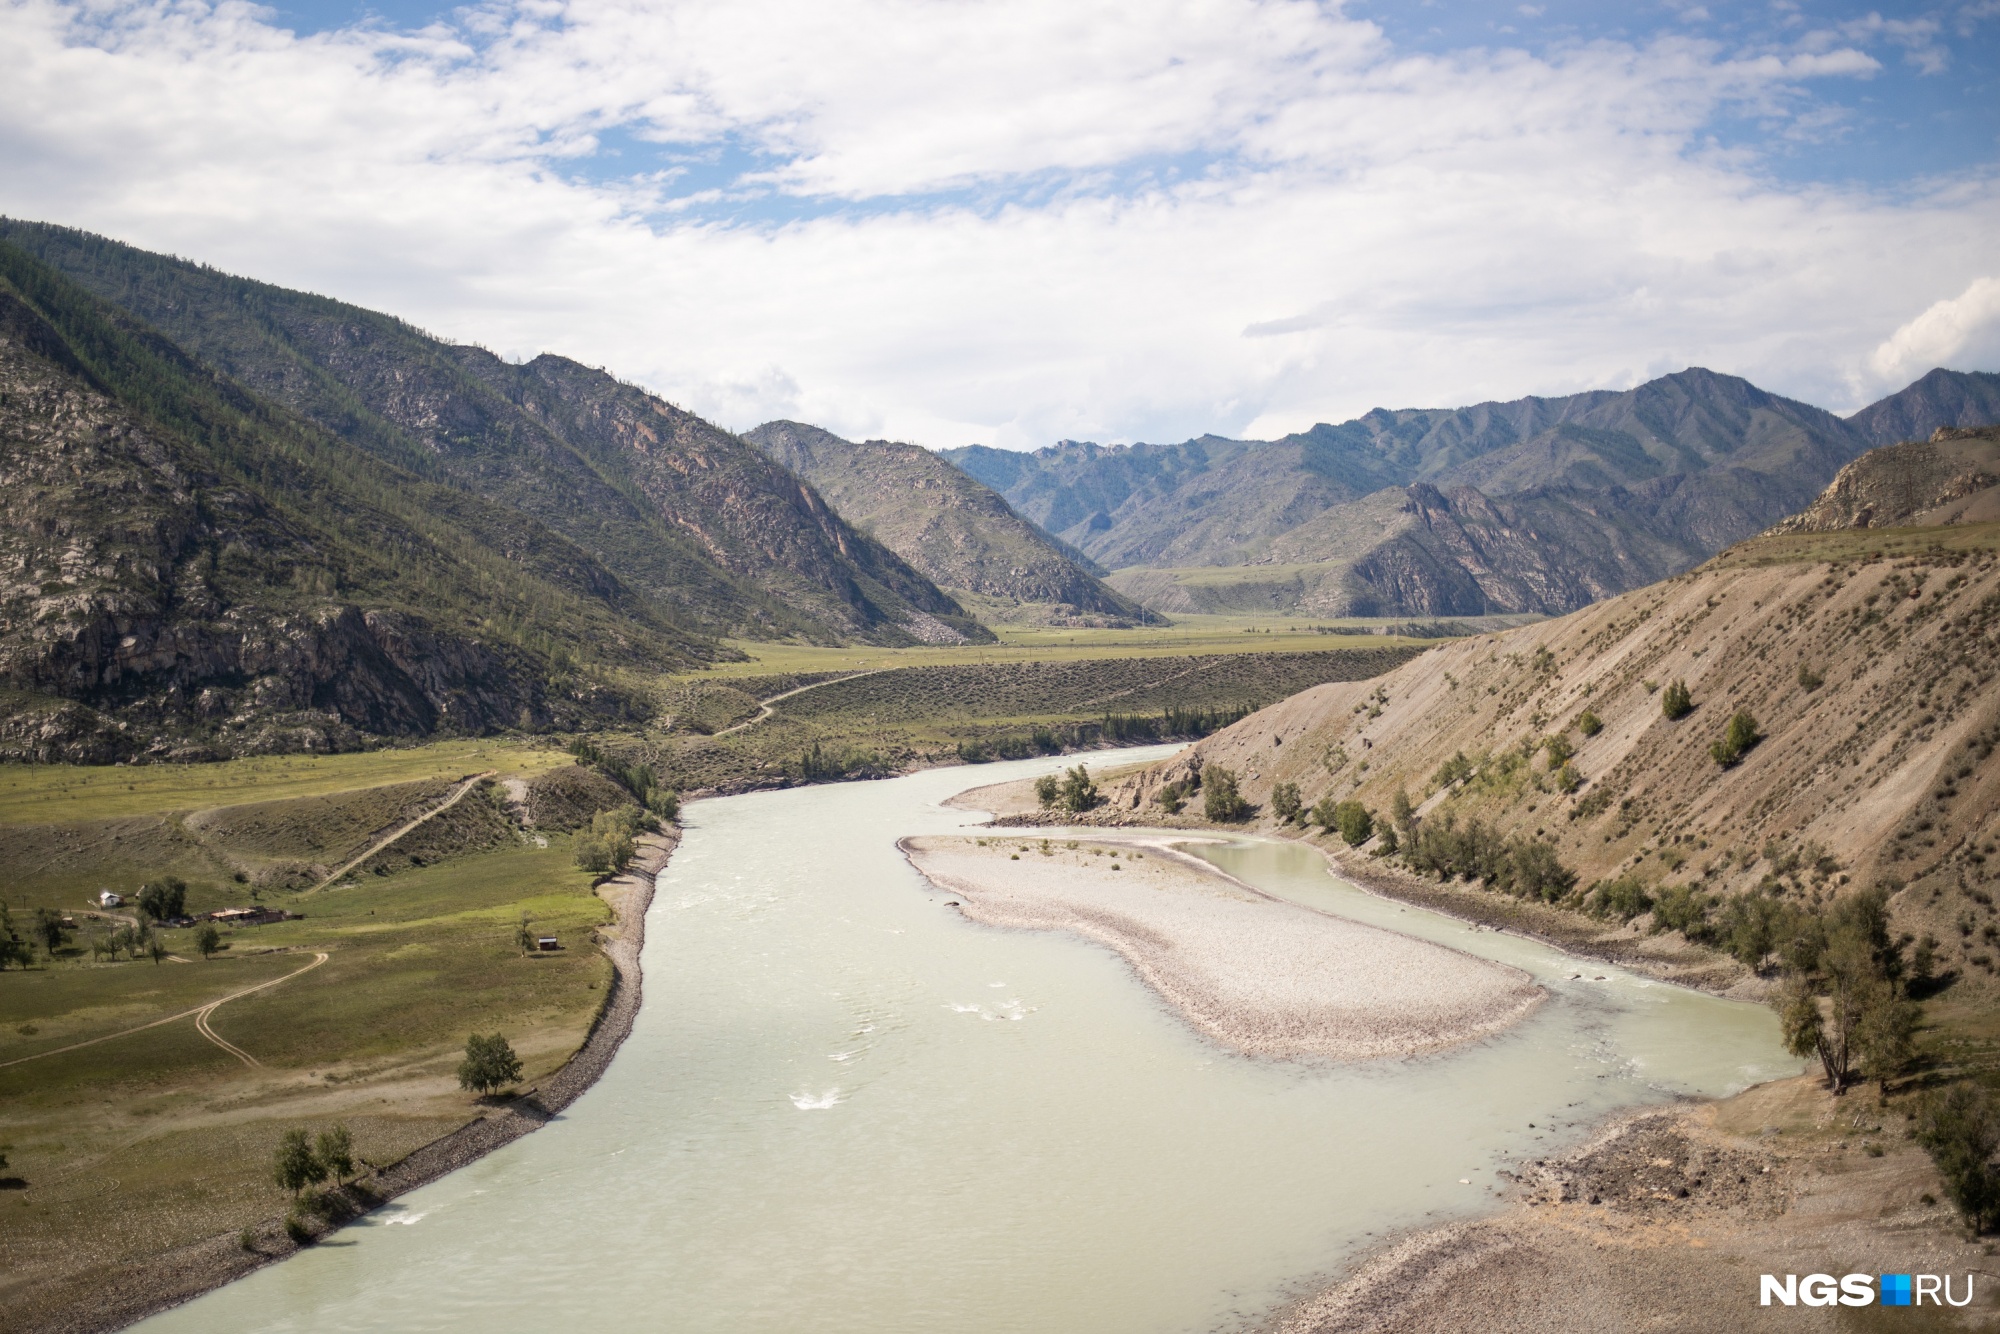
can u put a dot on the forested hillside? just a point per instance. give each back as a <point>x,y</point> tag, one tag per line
<point>673,506</point>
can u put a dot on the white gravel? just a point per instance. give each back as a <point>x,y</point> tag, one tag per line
<point>1259,974</point>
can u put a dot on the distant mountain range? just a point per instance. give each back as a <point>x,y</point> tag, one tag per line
<point>954,529</point>
<point>240,519</point>
<point>1536,505</point>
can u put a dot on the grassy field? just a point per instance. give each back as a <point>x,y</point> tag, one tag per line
<point>1188,635</point>
<point>52,793</point>
<point>1859,544</point>
<point>151,1139</point>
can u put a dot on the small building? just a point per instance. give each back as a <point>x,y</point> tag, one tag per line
<point>108,899</point>
<point>257,916</point>
<point>547,943</point>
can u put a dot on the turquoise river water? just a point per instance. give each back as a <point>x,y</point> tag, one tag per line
<point>845,1108</point>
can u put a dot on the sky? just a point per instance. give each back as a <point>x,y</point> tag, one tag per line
<point>1016,221</point>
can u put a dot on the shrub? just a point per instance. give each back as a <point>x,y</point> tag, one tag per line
<point>1173,796</point>
<point>1355,822</point>
<point>1325,813</point>
<point>1220,799</point>
<point>1623,898</point>
<point>1285,803</point>
<point>1677,703</point>
<point>296,1228</point>
<point>1681,908</point>
<point>1810,679</point>
<point>1534,871</point>
<point>1047,789</point>
<point>489,1064</point>
<point>1740,737</point>
<point>1077,793</point>
<point>1960,1131</point>
<point>1568,779</point>
<point>1589,723</point>
<point>1453,770</point>
<point>1560,751</point>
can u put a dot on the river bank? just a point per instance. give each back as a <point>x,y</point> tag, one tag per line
<point>187,1272</point>
<point>1663,1218</point>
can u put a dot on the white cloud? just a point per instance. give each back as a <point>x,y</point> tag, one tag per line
<point>1000,222</point>
<point>1962,333</point>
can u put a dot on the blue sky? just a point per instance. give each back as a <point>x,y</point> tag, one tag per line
<point>1010,221</point>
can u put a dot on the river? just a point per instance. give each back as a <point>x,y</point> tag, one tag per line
<point>845,1108</point>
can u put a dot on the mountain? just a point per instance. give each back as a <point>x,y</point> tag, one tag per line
<point>954,529</point>
<point>1536,505</point>
<point>193,572</point>
<point>1941,398</point>
<point>673,506</point>
<point>1866,660</point>
<point>1954,477</point>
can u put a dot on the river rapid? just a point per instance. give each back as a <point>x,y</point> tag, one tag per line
<point>845,1108</point>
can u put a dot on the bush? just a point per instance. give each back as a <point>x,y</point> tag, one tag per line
<point>489,1064</point>
<point>1355,823</point>
<point>1810,679</point>
<point>1681,908</point>
<point>1589,723</point>
<point>296,1228</point>
<point>1677,703</point>
<point>1173,796</point>
<point>1048,788</point>
<point>1286,804</point>
<point>1077,793</point>
<point>335,1151</point>
<point>1960,1131</point>
<point>1220,799</point>
<point>1560,751</point>
<point>1623,898</point>
<point>1453,770</point>
<point>1741,737</point>
<point>1568,779</point>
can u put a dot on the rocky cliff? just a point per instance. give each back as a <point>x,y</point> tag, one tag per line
<point>1954,477</point>
<point>956,530</point>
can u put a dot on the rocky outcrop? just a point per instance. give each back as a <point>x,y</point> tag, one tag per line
<point>1954,477</point>
<point>956,530</point>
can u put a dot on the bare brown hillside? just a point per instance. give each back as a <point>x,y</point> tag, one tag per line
<point>1953,477</point>
<point>1867,659</point>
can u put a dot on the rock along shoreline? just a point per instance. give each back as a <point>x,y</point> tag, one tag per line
<point>179,1276</point>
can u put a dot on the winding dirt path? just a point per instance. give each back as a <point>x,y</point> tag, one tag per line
<point>766,704</point>
<point>457,795</point>
<point>201,1013</point>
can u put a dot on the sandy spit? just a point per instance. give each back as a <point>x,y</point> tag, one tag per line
<point>1250,971</point>
<point>186,1273</point>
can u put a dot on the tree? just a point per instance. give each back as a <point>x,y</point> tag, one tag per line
<point>609,845</point>
<point>1589,723</point>
<point>1220,800</point>
<point>296,1166</point>
<point>1677,703</point>
<point>1173,796</point>
<point>1737,740</point>
<point>208,940</point>
<point>1324,813</point>
<point>1402,814</point>
<point>1750,928</point>
<point>1077,793</point>
<point>335,1151</point>
<point>489,1064</point>
<point>1355,822</point>
<point>164,899</point>
<point>154,949</point>
<point>523,937</point>
<point>1885,1029</point>
<point>1285,803</point>
<point>49,929</point>
<point>1534,871</point>
<point>1048,788</point>
<point>1960,1131</point>
<point>1561,752</point>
